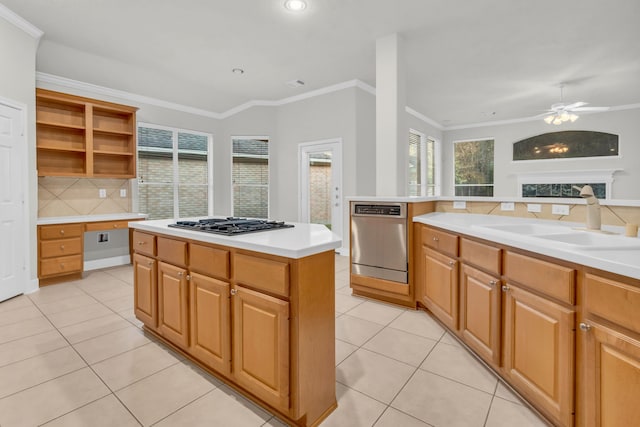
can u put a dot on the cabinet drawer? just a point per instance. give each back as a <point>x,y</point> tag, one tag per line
<point>174,251</point>
<point>260,273</point>
<point>60,265</point>
<point>144,243</point>
<point>612,300</point>
<point>59,231</point>
<point>440,240</point>
<point>553,280</point>
<point>107,225</point>
<point>55,248</point>
<point>481,255</point>
<point>209,261</point>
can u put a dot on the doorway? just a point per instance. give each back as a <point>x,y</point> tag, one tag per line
<point>12,191</point>
<point>321,183</point>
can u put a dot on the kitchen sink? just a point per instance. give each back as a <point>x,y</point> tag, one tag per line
<point>528,229</point>
<point>594,240</point>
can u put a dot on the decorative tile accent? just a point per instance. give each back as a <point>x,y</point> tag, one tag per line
<point>61,196</point>
<point>566,191</point>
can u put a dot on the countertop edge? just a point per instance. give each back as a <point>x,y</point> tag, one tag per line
<point>90,218</point>
<point>605,260</point>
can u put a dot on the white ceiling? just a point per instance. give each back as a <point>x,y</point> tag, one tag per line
<point>468,61</point>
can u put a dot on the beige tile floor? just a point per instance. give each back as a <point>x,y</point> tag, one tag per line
<point>74,355</point>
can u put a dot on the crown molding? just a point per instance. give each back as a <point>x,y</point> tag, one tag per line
<point>424,118</point>
<point>20,22</point>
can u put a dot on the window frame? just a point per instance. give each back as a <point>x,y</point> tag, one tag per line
<point>453,166</point>
<point>437,163</point>
<point>175,184</point>
<point>257,137</point>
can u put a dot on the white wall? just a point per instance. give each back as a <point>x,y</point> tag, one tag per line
<point>17,83</point>
<point>625,123</point>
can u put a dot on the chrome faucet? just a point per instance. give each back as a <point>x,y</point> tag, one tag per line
<point>594,221</point>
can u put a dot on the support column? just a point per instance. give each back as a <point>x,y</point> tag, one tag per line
<point>391,128</point>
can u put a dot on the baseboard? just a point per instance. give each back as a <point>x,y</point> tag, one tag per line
<point>33,285</point>
<point>106,262</point>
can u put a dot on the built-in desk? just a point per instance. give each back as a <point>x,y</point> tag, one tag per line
<point>61,244</point>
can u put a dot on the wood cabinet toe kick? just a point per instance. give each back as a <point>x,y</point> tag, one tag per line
<point>261,323</point>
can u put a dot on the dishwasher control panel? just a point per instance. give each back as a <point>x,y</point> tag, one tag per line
<point>393,210</point>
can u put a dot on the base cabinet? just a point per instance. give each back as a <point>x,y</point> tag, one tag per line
<point>481,313</point>
<point>538,346</point>
<point>439,292</point>
<point>145,300</point>
<point>173,305</point>
<point>209,315</point>
<point>261,345</point>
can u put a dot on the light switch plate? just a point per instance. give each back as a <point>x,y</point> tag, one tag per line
<point>507,206</point>
<point>534,207</point>
<point>123,192</point>
<point>102,193</point>
<point>560,209</point>
<point>460,205</point>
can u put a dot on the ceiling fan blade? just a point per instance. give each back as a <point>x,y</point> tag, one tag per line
<point>575,105</point>
<point>591,109</point>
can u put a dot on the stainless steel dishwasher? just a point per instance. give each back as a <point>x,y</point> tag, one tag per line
<point>379,240</point>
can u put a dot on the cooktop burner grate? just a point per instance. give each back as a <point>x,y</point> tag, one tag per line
<point>231,225</point>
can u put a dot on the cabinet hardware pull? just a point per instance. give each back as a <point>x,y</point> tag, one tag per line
<point>61,231</point>
<point>435,239</point>
<point>492,283</point>
<point>115,225</point>
<point>188,277</point>
<point>585,327</point>
<point>141,243</point>
<point>149,262</point>
<point>62,266</point>
<point>179,273</point>
<point>452,262</point>
<point>505,288</point>
<point>234,291</point>
<point>62,247</point>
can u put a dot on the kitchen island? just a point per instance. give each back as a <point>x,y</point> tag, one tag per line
<point>256,310</point>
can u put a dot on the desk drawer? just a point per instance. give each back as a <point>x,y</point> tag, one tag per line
<point>62,247</point>
<point>107,225</point>
<point>61,265</point>
<point>144,243</point>
<point>612,300</point>
<point>60,231</point>
<point>481,255</point>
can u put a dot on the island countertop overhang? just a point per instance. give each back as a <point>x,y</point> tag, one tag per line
<point>298,242</point>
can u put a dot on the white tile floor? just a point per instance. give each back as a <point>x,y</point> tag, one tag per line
<point>74,355</point>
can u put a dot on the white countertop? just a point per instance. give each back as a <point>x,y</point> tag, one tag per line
<point>90,218</point>
<point>390,199</point>
<point>625,262</point>
<point>300,241</point>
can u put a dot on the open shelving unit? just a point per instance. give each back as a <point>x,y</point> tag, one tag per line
<point>84,137</point>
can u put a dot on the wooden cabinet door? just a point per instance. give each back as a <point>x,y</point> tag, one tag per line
<point>145,299</point>
<point>481,313</point>
<point>173,305</point>
<point>440,286</point>
<point>611,380</point>
<point>539,351</point>
<point>261,345</point>
<point>210,322</point>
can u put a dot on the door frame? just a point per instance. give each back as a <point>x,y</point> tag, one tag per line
<point>26,284</point>
<point>335,146</point>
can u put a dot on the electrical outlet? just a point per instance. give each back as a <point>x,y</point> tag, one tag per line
<point>534,207</point>
<point>123,192</point>
<point>560,209</point>
<point>102,193</point>
<point>460,205</point>
<point>507,206</point>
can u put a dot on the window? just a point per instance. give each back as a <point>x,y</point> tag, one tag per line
<point>569,144</point>
<point>174,172</point>
<point>473,167</point>
<point>250,177</point>
<point>422,165</point>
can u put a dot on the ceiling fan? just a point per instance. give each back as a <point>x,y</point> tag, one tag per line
<point>561,112</point>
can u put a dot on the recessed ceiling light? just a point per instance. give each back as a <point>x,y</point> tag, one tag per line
<point>295,5</point>
<point>237,71</point>
<point>294,83</point>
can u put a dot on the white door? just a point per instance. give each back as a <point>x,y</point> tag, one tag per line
<point>12,184</point>
<point>321,183</point>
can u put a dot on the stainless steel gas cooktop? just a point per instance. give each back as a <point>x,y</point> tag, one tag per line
<point>231,226</point>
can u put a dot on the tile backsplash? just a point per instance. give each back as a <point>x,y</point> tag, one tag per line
<point>63,196</point>
<point>611,215</point>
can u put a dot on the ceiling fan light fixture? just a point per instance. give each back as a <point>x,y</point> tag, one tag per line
<point>573,117</point>
<point>548,119</point>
